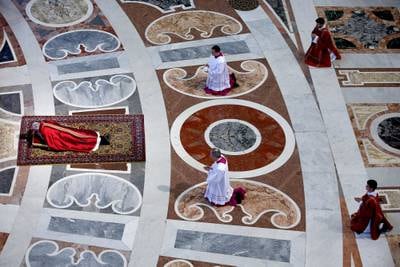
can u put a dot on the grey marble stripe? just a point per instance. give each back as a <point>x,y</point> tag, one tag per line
<point>88,228</point>
<point>244,246</point>
<point>89,65</point>
<point>231,48</point>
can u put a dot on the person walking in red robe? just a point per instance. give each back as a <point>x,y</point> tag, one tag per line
<point>55,137</point>
<point>370,213</point>
<point>322,50</point>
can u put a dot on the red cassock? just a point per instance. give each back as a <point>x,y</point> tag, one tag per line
<point>318,55</point>
<point>369,210</point>
<point>62,138</point>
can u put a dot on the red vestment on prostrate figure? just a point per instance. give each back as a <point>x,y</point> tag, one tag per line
<point>369,210</point>
<point>319,53</point>
<point>62,138</point>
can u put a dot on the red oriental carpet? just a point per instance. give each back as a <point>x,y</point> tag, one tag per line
<point>126,140</point>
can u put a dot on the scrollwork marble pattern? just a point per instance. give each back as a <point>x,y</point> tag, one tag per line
<point>164,6</point>
<point>101,93</point>
<point>254,75</point>
<point>181,24</point>
<point>260,199</point>
<point>109,190</point>
<point>70,43</point>
<point>46,253</point>
<point>59,13</point>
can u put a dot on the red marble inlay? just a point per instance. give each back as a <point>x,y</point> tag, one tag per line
<point>272,143</point>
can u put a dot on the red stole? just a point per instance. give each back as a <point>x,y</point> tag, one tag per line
<point>318,55</point>
<point>369,210</point>
<point>222,160</point>
<point>62,138</point>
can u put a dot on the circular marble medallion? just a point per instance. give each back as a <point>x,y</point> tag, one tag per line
<point>385,131</point>
<point>263,140</point>
<point>59,13</point>
<point>233,137</point>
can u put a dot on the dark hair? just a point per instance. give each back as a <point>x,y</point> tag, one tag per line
<point>372,184</point>
<point>320,20</point>
<point>216,48</point>
<point>216,153</point>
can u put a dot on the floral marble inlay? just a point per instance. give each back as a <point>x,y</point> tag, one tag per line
<point>254,76</point>
<point>181,25</point>
<point>363,29</point>
<point>164,5</point>
<point>391,198</point>
<point>90,94</point>
<point>73,42</point>
<point>260,199</point>
<point>9,140</point>
<point>108,190</point>
<point>46,253</point>
<point>56,13</point>
<point>360,77</point>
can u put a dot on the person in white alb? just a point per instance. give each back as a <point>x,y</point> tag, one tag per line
<point>219,190</point>
<point>219,81</point>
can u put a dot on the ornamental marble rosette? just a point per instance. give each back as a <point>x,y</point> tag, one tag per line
<point>181,24</point>
<point>260,199</point>
<point>254,75</point>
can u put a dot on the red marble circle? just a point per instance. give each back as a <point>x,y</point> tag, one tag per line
<point>272,134</point>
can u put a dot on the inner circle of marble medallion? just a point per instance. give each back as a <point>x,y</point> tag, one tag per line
<point>276,138</point>
<point>53,13</point>
<point>233,137</point>
<point>385,131</point>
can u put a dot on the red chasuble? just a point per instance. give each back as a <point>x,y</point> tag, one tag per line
<point>62,138</point>
<point>369,210</point>
<point>318,55</point>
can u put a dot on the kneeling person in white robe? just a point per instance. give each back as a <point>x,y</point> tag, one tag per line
<point>218,81</point>
<point>219,190</point>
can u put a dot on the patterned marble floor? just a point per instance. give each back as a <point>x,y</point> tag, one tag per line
<point>301,141</point>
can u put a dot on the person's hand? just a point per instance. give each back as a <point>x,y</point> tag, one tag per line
<point>313,35</point>
<point>358,199</point>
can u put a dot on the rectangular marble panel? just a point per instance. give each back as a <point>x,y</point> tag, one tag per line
<point>231,48</point>
<point>88,228</point>
<point>92,65</point>
<point>243,246</point>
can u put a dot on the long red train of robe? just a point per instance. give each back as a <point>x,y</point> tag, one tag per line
<point>61,138</point>
<point>369,210</point>
<point>318,55</point>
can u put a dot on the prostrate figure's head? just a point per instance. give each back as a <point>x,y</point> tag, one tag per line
<point>320,22</point>
<point>215,153</point>
<point>35,126</point>
<point>215,50</point>
<point>371,185</point>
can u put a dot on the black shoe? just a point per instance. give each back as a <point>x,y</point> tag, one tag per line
<point>105,140</point>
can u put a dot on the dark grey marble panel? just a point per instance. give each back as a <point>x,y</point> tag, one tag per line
<point>244,246</point>
<point>6,179</point>
<point>88,228</point>
<point>11,102</point>
<point>89,65</point>
<point>389,132</point>
<point>232,48</point>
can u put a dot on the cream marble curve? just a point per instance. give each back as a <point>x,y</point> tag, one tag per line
<point>5,41</point>
<point>188,4</point>
<point>180,24</point>
<point>245,123</point>
<point>63,44</point>
<point>254,75</point>
<point>46,253</point>
<point>66,13</point>
<point>102,93</point>
<point>260,199</point>
<point>278,162</point>
<point>374,131</point>
<point>109,190</point>
<point>178,263</point>
<point>362,113</point>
